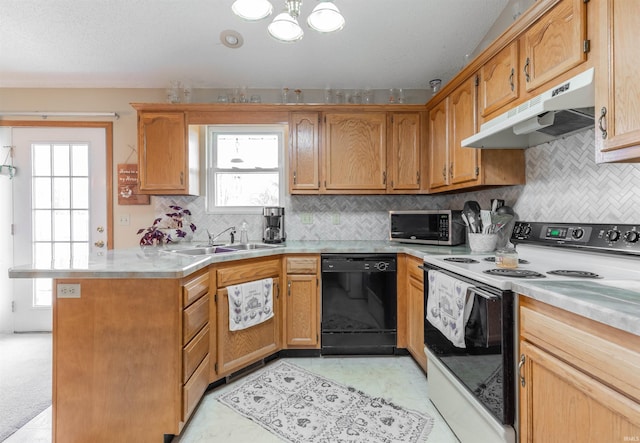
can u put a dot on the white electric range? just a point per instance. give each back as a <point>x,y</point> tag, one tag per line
<point>548,252</point>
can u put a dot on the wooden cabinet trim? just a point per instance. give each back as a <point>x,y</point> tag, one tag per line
<point>194,352</point>
<point>194,318</point>
<point>194,388</point>
<point>249,270</point>
<point>302,265</point>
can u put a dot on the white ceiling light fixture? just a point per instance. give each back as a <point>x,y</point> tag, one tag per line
<point>324,18</point>
<point>231,39</point>
<point>252,9</point>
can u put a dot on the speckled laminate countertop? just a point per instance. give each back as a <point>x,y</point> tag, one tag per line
<point>616,304</point>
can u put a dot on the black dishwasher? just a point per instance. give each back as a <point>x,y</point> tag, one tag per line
<point>359,304</point>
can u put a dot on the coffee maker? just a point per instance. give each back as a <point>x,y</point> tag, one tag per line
<point>273,225</point>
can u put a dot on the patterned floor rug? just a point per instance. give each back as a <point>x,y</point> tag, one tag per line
<point>302,407</point>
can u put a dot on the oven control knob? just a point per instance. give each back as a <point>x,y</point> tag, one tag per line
<point>613,235</point>
<point>577,233</point>
<point>382,266</point>
<point>527,230</point>
<point>632,236</point>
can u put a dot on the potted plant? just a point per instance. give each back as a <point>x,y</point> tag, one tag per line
<point>168,229</point>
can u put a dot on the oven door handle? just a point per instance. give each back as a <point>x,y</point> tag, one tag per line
<point>484,294</point>
<point>423,267</point>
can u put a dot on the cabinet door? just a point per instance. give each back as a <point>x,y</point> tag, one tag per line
<point>237,349</point>
<point>499,80</point>
<point>302,311</point>
<point>403,157</point>
<point>555,43</point>
<point>163,148</point>
<point>561,403</point>
<point>439,145</point>
<point>304,156</point>
<point>617,88</point>
<point>415,316</point>
<point>463,165</point>
<point>355,151</point>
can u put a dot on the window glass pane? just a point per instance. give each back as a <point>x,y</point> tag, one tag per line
<point>41,159</point>
<point>80,160</point>
<point>80,253</point>
<point>42,225</point>
<point>247,151</point>
<point>80,224</point>
<point>61,255</point>
<point>42,254</point>
<point>42,193</point>
<point>61,192</point>
<point>60,160</point>
<point>42,292</point>
<point>61,225</point>
<point>247,189</point>
<point>80,193</point>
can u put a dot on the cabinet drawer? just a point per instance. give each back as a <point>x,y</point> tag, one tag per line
<point>302,265</point>
<point>194,289</point>
<point>414,270</point>
<point>194,352</point>
<point>246,272</point>
<point>195,387</point>
<point>194,318</point>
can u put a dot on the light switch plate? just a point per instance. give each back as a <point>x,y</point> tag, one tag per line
<point>306,218</point>
<point>68,290</point>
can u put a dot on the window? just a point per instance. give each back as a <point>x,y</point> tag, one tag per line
<point>245,168</point>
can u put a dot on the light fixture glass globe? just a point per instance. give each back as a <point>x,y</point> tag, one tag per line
<point>252,9</point>
<point>326,17</point>
<point>285,28</point>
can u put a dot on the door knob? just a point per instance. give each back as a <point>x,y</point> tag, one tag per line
<point>99,244</point>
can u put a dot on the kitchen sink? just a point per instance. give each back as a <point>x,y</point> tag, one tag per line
<point>218,249</point>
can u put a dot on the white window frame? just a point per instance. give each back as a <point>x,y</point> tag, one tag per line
<point>280,130</point>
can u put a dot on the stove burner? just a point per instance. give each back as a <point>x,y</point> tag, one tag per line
<point>492,259</point>
<point>516,273</point>
<point>571,273</point>
<point>461,260</point>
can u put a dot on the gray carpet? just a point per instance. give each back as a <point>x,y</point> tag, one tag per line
<point>25,379</point>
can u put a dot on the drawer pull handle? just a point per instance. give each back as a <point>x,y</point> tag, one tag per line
<point>603,130</point>
<point>520,365</point>
<point>526,70</point>
<point>511,79</point>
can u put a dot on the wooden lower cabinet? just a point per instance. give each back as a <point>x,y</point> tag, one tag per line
<point>411,308</point>
<point>578,379</point>
<point>238,349</point>
<point>302,302</point>
<point>130,359</point>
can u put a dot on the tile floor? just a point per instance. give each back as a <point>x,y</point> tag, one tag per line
<point>398,379</point>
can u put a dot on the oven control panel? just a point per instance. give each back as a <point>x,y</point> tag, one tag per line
<point>622,238</point>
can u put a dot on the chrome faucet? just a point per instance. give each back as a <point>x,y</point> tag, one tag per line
<point>213,238</point>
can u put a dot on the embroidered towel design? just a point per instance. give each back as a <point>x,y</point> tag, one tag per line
<point>250,303</point>
<point>449,306</point>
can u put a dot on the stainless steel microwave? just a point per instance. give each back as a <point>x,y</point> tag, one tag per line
<point>428,227</point>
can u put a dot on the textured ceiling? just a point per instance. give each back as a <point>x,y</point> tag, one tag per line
<point>147,43</point>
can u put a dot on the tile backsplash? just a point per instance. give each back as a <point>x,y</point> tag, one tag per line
<point>564,184</point>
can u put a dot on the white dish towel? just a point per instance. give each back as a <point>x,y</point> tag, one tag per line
<point>449,306</point>
<point>250,303</point>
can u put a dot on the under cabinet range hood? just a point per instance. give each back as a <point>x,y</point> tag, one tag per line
<point>562,110</point>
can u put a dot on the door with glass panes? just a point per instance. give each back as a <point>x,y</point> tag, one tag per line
<point>60,211</point>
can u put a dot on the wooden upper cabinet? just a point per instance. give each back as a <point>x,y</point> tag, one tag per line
<point>403,155</point>
<point>555,43</point>
<point>439,145</point>
<point>304,153</point>
<point>617,88</point>
<point>163,153</point>
<point>499,80</point>
<point>355,152</point>
<point>464,165</point>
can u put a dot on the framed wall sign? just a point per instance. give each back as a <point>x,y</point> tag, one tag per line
<point>128,186</point>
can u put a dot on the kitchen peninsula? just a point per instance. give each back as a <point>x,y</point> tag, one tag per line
<point>140,334</point>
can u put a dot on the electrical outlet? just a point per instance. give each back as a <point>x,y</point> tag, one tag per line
<point>306,218</point>
<point>124,219</point>
<point>335,218</point>
<point>68,290</point>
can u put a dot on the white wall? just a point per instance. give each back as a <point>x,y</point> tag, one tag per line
<point>6,240</point>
